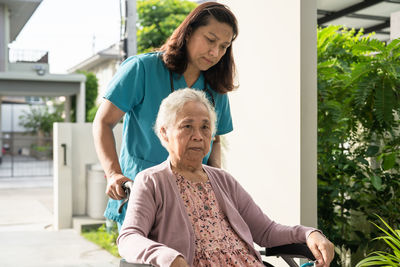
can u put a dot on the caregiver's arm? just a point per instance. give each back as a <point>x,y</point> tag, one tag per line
<point>107,116</point>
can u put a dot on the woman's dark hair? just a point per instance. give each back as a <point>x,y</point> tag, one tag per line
<point>175,57</point>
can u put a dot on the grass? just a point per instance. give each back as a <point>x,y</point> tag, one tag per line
<point>103,238</point>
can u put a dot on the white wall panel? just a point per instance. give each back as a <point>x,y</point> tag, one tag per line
<point>272,150</point>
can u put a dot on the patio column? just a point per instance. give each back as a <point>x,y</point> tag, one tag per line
<point>273,148</point>
<point>131,28</point>
<point>80,104</point>
<point>395,25</point>
<point>4,33</point>
<point>67,109</point>
<point>1,131</point>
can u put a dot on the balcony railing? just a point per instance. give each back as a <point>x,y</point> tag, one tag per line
<point>28,56</point>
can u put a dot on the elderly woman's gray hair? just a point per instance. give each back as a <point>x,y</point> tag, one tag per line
<point>172,104</point>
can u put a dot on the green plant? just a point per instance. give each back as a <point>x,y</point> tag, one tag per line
<point>358,138</point>
<point>103,238</point>
<point>40,119</point>
<point>91,113</point>
<point>91,86</point>
<point>41,148</point>
<point>384,258</point>
<point>157,20</point>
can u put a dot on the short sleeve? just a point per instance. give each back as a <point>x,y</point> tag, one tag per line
<point>224,120</point>
<point>126,88</point>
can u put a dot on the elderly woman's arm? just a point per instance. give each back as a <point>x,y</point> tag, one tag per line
<point>268,233</point>
<point>133,244</point>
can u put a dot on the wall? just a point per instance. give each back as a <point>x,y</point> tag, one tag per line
<point>272,150</point>
<point>3,38</point>
<point>395,25</point>
<point>28,67</point>
<point>10,114</point>
<point>70,178</point>
<point>104,73</point>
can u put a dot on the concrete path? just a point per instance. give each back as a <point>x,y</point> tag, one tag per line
<point>26,234</point>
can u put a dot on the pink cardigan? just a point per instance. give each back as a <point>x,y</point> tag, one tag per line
<point>157,229</point>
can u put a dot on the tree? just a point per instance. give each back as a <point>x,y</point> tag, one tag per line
<point>39,120</point>
<point>91,93</point>
<point>157,20</point>
<point>358,138</point>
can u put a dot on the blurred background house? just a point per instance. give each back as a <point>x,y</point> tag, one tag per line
<point>103,64</point>
<point>26,87</point>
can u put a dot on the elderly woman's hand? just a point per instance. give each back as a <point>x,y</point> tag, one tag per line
<point>179,262</point>
<point>322,248</point>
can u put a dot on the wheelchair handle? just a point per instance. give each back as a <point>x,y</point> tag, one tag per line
<point>127,186</point>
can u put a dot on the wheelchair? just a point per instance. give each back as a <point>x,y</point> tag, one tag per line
<point>287,252</point>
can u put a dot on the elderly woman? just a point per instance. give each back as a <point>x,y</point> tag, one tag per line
<point>184,213</point>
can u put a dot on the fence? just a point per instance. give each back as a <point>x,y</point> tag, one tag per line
<point>26,156</point>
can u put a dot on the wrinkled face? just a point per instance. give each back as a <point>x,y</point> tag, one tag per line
<point>208,44</point>
<point>188,140</point>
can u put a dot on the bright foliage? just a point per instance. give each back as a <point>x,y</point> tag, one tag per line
<point>358,138</point>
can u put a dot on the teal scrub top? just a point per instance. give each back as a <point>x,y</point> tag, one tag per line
<point>138,87</point>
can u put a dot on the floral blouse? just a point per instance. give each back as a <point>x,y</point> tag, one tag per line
<point>217,244</point>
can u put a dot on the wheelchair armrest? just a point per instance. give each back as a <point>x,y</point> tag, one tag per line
<point>285,251</point>
<point>123,263</point>
<point>292,250</point>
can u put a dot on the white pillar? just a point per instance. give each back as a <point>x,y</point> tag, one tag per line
<point>67,108</point>
<point>70,171</point>
<point>131,27</point>
<point>80,104</point>
<point>309,113</point>
<point>4,39</point>
<point>62,175</point>
<point>273,148</point>
<point>395,25</point>
<point>1,130</point>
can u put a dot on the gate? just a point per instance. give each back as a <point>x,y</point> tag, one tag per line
<point>26,156</point>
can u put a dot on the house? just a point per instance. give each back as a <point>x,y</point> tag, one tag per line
<point>24,74</point>
<point>103,64</point>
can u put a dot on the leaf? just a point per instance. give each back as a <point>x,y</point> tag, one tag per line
<point>397,253</point>
<point>362,160</point>
<point>384,103</point>
<point>328,64</point>
<point>393,44</point>
<point>359,71</point>
<point>388,161</point>
<point>370,261</point>
<point>157,20</point>
<point>324,35</point>
<point>363,92</point>
<point>376,182</point>
<point>372,151</point>
<point>396,233</point>
<point>390,241</point>
<point>365,48</point>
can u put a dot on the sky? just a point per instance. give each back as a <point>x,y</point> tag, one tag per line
<point>71,30</point>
